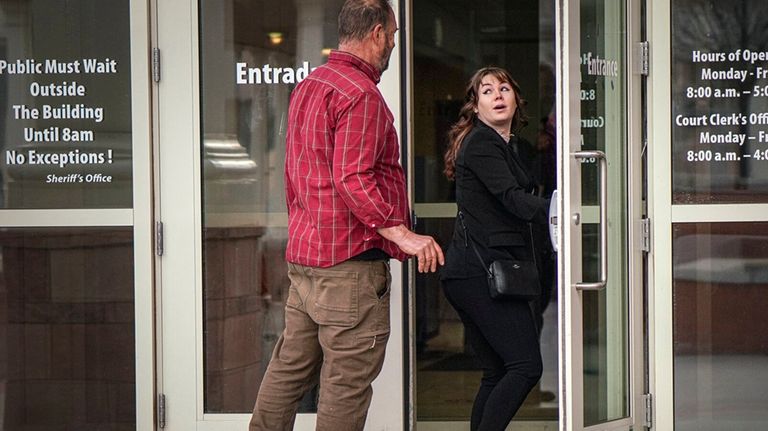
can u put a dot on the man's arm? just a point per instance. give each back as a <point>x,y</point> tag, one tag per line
<point>359,138</point>
<point>427,251</point>
<point>358,142</point>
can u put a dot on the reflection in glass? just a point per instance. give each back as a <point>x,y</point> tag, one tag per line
<point>67,347</point>
<point>75,151</point>
<point>446,366</point>
<point>603,92</point>
<point>451,40</point>
<point>252,55</point>
<point>604,127</point>
<point>720,281</point>
<point>719,161</point>
<point>605,329</point>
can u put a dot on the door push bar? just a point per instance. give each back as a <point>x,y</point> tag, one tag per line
<point>600,157</point>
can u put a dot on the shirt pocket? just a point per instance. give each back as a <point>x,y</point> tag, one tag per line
<point>335,297</point>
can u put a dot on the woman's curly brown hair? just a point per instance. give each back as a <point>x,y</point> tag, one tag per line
<point>464,125</point>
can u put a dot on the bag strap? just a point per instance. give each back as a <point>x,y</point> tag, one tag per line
<point>472,241</point>
<point>468,238</point>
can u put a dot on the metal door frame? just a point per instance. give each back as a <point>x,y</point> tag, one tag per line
<point>570,328</point>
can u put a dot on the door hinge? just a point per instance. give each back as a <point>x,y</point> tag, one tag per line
<point>645,225</point>
<point>156,64</point>
<point>643,58</point>
<point>161,410</point>
<point>648,419</point>
<point>159,238</point>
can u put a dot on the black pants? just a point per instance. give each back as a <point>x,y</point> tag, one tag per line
<point>505,340</point>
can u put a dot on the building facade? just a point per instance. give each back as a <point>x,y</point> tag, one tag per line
<point>143,222</point>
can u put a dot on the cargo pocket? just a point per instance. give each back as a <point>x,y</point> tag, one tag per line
<point>375,345</point>
<point>375,338</point>
<point>335,297</point>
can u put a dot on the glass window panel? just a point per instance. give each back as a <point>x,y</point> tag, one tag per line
<point>606,332</point>
<point>67,344</point>
<point>603,90</point>
<point>65,116</point>
<point>719,100</point>
<point>447,374</point>
<point>252,55</point>
<point>720,294</point>
<point>604,127</point>
<point>451,40</point>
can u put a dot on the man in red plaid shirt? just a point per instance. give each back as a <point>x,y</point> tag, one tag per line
<point>348,215</point>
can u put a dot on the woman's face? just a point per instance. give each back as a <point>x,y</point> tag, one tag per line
<point>496,103</point>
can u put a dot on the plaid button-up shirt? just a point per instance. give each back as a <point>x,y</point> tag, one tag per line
<point>343,177</point>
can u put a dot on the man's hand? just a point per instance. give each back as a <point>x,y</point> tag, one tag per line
<point>427,251</point>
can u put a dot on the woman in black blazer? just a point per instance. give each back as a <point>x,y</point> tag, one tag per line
<point>494,193</point>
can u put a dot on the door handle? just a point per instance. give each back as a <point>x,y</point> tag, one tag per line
<point>554,207</point>
<point>599,156</point>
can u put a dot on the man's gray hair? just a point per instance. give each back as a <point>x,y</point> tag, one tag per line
<point>358,17</point>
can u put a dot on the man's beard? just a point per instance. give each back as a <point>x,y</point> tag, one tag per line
<point>384,63</point>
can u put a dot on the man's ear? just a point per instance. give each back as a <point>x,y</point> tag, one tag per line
<point>378,31</point>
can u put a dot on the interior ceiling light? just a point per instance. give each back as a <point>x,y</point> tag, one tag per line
<point>275,37</point>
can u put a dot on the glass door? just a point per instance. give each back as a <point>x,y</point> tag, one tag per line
<point>448,41</point>
<point>228,72</point>
<point>76,341</point>
<point>600,183</point>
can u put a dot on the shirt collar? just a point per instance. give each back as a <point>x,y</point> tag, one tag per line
<point>357,62</point>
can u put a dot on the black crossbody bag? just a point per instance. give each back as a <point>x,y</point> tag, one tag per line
<point>509,279</point>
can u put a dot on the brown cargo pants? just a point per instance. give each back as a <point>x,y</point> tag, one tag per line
<point>337,325</point>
